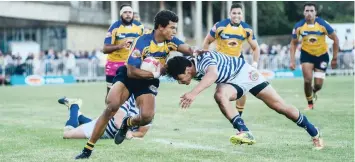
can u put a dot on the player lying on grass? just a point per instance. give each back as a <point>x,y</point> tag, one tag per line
<point>235,78</point>
<point>79,126</point>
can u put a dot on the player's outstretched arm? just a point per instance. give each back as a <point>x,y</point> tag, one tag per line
<point>256,51</point>
<point>334,37</point>
<point>209,78</point>
<point>185,49</point>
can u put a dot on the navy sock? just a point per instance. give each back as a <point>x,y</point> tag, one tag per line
<point>83,119</point>
<point>303,122</point>
<point>238,123</point>
<point>73,116</point>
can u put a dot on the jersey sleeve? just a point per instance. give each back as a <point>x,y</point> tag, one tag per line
<point>174,44</point>
<point>142,29</point>
<point>140,26</point>
<point>213,30</point>
<point>110,35</point>
<point>327,26</point>
<point>295,33</point>
<point>136,52</point>
<point>250,33</point>
<point>204,61</point>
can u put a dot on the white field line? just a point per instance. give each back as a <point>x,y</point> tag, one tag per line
<point>194,146</point>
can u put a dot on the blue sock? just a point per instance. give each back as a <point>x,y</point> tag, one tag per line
<point>304,123</point>
<point>238,123</point>
<point>73,116</point>
<point>83,119</point>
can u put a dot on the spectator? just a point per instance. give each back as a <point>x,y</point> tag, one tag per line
<point>69,63</point>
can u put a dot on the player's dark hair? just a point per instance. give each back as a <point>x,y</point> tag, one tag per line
<point>177,65</point>
<point>310,4</point>
<point>236,5</point>
<point>163,18</point>
<point>124,5</point>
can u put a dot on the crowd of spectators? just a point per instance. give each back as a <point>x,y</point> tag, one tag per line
<point>67,62</point>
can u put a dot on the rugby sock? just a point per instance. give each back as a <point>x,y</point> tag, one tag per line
<point>83,119</point>
<point>129,122</point>
<point>310,99</point>
<point>240,110</point>
<point>238,123</point>
<point>73,116</point>
<point>89,147</point>
<point>304,123</point>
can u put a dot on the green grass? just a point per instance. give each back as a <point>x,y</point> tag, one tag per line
<point>31,125</point>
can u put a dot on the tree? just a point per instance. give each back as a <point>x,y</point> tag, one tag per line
<point>272,19</point>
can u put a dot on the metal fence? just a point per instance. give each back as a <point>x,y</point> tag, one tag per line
<point>94,70</point>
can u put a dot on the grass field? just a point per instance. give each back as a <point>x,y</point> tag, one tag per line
<point>31,126</point>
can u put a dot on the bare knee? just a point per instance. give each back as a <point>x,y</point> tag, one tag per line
<point>111,107</point>
<point>307,80</point>
<point>146,119</point>
<point>317,87</point>
<point>220,97</point>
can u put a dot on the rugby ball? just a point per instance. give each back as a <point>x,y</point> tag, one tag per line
<point>151,64</point>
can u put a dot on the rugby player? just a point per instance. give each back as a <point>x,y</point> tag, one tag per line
<point>118,39</point>
<point>229,35</point>
<point>314,51</point>
<point>78,126</point>
<point>232,83</point>
<point>130,79</point>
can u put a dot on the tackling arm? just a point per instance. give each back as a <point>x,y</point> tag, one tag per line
<point>210,77</point>
<point>185,49</point>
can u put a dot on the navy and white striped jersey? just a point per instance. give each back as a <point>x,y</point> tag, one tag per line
<point>227,66</point>
<point>130,108</point>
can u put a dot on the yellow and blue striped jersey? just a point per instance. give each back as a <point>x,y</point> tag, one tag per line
<point>119,33</point>
<point>313,36</point>
<point>230,37</point>
<point>146,46</point>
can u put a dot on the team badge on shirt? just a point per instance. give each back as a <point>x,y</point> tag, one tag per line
<point>136,53</point>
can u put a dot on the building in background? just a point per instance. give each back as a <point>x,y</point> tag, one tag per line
<point>58,25</point>
<point>82,25</point>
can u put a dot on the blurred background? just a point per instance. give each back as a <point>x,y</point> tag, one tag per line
<point>46,42</point>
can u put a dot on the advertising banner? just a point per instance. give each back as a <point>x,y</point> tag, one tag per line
<point>37,80</point>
